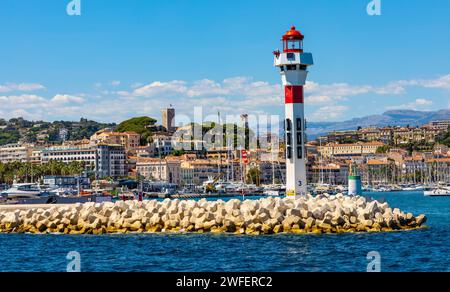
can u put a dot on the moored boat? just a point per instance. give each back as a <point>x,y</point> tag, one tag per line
<point>437,192</point>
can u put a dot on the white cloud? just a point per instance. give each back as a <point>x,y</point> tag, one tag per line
<point>440,83</point>
<point>158,88</point>
<point>318,99</point>
<point>9,87</point>
<point>234,95</point>
<point>347,90</point>
<point>24,99</point>
<point>65,98</point>
<point>336,89</point>
<point>329,113</point>
<point>418,104</point>
<point>115,83</point>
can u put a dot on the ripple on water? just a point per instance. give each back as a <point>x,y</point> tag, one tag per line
<point>420,250</point>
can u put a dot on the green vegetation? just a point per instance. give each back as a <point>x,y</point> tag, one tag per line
<point>231,133</point>
<point>253,176</point>
<point>417,146</point>
<point>444,139</point>
<point>178,153</point>
<point>9,136</point>
<point>348,141</point>
<point>20,130</point>
<point>27,172</point>
<point>383,149</point>
<point>139,125</point>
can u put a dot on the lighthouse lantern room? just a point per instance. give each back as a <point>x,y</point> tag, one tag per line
<point>293,64</point>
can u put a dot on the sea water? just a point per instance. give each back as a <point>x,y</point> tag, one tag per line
<point>419,250</point>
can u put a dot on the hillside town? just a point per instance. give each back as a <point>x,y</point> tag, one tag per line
<point>383,156</point>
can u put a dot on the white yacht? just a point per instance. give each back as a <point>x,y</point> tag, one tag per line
<point>443,191</point>
<point>25,191</point>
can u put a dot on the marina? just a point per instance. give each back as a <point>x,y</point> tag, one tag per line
<point>216,137</point>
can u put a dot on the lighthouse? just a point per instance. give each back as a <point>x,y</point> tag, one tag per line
<point>293,64</point>
<point>354,181</point>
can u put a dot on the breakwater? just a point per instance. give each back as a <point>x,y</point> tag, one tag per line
<point>320,214</point>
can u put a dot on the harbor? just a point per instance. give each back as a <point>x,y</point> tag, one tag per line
<point>227,137</point>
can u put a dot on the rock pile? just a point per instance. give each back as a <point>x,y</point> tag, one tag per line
<point>321,214</point>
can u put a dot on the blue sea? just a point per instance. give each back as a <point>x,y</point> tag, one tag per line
<point>421,250</point>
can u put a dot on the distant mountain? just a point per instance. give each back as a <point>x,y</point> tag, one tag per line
<point>389,118</point>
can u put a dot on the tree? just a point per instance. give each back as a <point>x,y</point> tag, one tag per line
<point>138,125</point>
<point>383,149</point>
<point>254,176</point>
<point>444,138</point>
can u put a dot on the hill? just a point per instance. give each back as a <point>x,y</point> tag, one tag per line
<point>140,125</point>
<point>389,118</point>
<point>20,130</point>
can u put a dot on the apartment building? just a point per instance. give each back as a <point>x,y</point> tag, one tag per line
<point>129,140</point>
<point>16,153</point>
<point>163,145</point>
<point>164,170</point>
<point>350,150</point>
<point>329,173</point>
<point>443,125</point>
<point>106,160</point>
<point>409,135</point>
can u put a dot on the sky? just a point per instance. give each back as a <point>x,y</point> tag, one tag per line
<point>121,59</point>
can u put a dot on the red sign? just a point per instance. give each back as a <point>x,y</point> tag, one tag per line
<point>245,157</point>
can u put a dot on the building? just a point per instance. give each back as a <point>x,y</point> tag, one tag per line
<point>330,173</point>
<point>111,161</point>
<point>201,170</point>
<point>36,155</point>
<point>163,145</point>
<point>104,160</point>
<point>384,135</point>
<point>438,169</point>
<point>86,154</point>
<point>168,119</point>
<point>66,181</point>
<point>350,150</point>
<point>423,134</point>
<point>441,150</point>
<point>340,137</point>
<point>129,140</point>
<point>272,172</point>
<point>16,153</point>
<point>144,151</point>
<point>163,170</point>
<point>443,125</point>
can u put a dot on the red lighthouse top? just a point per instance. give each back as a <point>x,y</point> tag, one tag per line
<point>293,41</point>
<point>293,34</point>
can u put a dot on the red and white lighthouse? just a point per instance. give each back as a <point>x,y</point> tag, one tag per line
<point>293,64</point>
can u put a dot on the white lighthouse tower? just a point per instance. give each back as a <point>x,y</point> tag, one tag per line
<point>293,64</point>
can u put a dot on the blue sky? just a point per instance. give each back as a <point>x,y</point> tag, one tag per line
<point>121,59</point>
